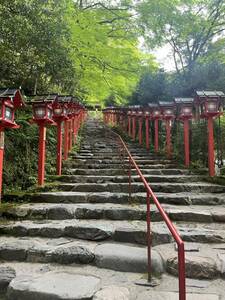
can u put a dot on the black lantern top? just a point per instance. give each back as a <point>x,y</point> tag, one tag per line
<point>167,110</point>
<point>184,107</point>
<point>209,103</point>
<point>14,95</point>
<point>42,108</point>
<point>10,100</point>
<point>60,107</point>
<point>155,111</point>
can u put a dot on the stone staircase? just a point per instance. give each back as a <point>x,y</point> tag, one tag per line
<point>87,238</point>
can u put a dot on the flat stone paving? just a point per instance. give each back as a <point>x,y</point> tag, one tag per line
<point>96,233</point>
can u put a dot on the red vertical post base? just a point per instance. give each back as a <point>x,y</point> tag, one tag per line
<point>75,130</point>
<point>140,131</point>
<point>41,153</point>
<point>129,126</point>
<point>66,140</point>
<point>70,136</point>
<point>59,149</point>
<point>168,139</point>
<point>134,129</point>
<point>156,139</point>
<point>211,156</point>
<point>147,133</point>
<point>1,158</point>
<point>186,144</point>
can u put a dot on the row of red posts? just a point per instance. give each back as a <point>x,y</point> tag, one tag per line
<point>206,105</point>
<point>47,110</point>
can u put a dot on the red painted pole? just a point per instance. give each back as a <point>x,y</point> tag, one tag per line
<point>168,139</point>
<point>134,128</point>
<point>140,131</point>
<point>181,272</point>
<point>211,156</point>
<point>41,153</point>
<point>72,130</point>
<point>147,132</point>
<point>1,158</point>
<point>186,143</point>
<point>75,129</point>
<point>156,142</point>
<point>66,138</point>
<point>149,243</point>
<point>70,135</point>
<point>59,149</point>
<point>129,125</point>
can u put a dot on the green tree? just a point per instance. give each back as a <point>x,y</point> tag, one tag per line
<point>190,27</point>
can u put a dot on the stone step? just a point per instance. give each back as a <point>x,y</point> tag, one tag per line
<point>136,187</point>
<point>111,157</point>
<point>114,256</point>
<point>116,172</point>
<point>114,285</point>
<point>108,211</point>
<point>120,231</point>
<point>118,161</point>
<point>102,166</point>
<point>123,179</point>
<point>203,261</point>
<point>185,198</point>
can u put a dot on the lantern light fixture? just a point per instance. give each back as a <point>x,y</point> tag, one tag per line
<point>167,110</point>
<point>209,103</point>
<point>184,108</point>
<point>154,110</point>
<point>10,100</point>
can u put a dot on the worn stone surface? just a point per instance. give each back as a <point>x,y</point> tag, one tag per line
<point>7,274</point>
<point>53,286</point>
<point>126,258</point>
<point>72,254</point>
<point>196,267</point>
<point>175,296</point>
<point>112,293</point>
<point>92,222</point>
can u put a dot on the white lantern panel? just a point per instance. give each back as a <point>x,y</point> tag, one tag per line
<point>58,111</point>
<point>40,112</point>
<point>9,113</point>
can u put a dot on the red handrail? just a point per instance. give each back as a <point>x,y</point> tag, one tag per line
<point>172,229</point>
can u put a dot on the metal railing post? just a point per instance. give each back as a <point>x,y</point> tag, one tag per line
<point>172,229</point>
<point>181,272</point>
<point>129,174</point>
<point>148,219</point>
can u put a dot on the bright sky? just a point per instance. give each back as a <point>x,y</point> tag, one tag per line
<point>164,58</point>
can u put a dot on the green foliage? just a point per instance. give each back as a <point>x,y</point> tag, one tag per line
<point>21,153</point>
<point>89,49</point>
<point>190,27</point>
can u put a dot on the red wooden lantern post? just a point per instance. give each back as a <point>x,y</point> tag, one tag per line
<point>42,116</point>
<point>147,136</point>
<point>10,100</point>
<point>59,116</point>
<point>80,115</point>
<point>168,113</point>
<point>155,115</point>
<point>129,116</point>
<point>140,123</point>
<point>209,106</point>
<point>133,124</point>
<point>70,115</point>
<point>185,113</point>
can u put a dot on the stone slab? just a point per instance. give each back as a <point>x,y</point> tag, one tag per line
<point>175,296</point>
<point>112,293</point>
<point>53,286</point>
<point>7,274</point>
<point>126,258</point>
